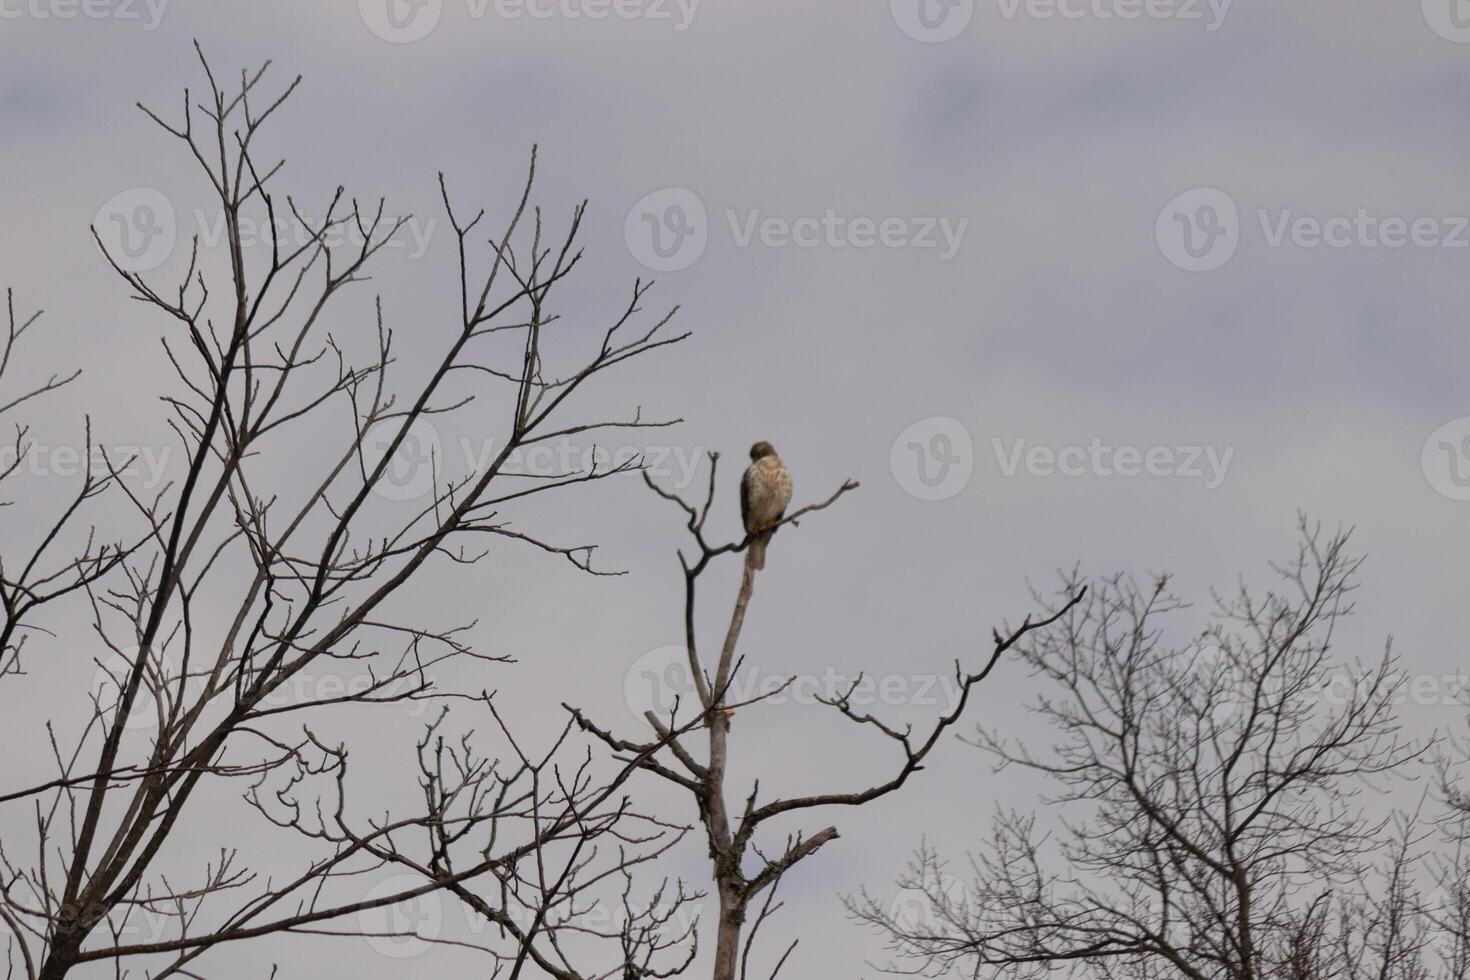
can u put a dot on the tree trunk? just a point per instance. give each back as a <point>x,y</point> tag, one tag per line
<point>57,963</point>
<point>723,850</point>
<point>727,940</point>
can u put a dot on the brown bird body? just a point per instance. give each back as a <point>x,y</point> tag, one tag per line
<point>765,492</point>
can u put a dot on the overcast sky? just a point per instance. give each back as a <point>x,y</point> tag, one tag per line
<point>1124,283</point>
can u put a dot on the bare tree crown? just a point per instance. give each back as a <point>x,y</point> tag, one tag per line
<point>227,587</point>
<point>1215,797</point>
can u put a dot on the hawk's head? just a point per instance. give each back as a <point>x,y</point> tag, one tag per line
<point>762,449</point>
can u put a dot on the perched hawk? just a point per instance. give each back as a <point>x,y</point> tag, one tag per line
<point>764,493</point>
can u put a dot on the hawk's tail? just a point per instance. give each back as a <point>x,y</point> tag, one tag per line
<point>757,554</point>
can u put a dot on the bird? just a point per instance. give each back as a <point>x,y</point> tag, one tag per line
<point>765,492</point>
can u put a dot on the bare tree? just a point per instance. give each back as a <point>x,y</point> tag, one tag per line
<point>237,579</point>
<point>735,834</point>
<point>1450,864</point>
<point>538,845</point>
<point>1376,926</point>
<point>31,579</point>
<point>1211,822</point>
